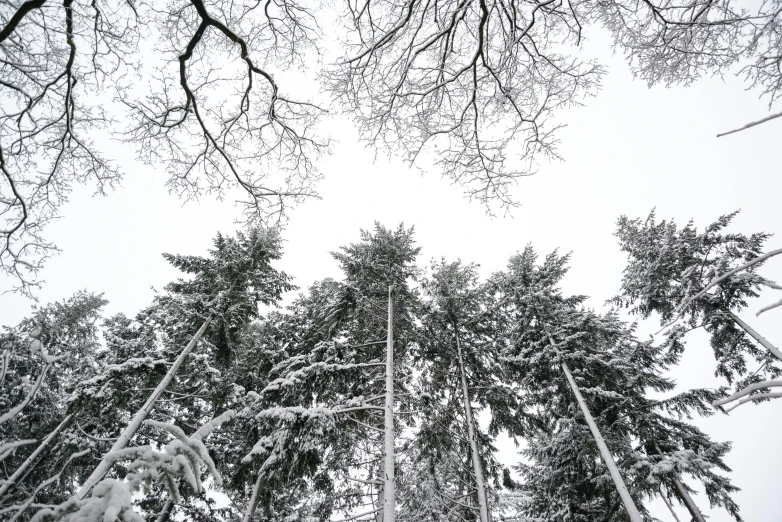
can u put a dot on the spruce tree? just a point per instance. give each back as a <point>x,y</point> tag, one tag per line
<point>668,267</point>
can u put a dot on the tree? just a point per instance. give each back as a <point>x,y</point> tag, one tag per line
<point>44,358</point>
<point>297,395</point>
<point>224,293</point>
<point>458,360</point>
<point>317,420</point>
<point>480,80</point>
<point>676,273</point>
<point>210,97</point>
<point>559,351</point>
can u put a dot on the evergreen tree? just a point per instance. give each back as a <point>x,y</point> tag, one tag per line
<point>319,416</point>
<point>560,350</point>
<point>43,360</point>
<point>668,267</point>
<point>459,367</point>
<point>224,293</point>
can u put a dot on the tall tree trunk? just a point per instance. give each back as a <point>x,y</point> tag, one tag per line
<point>684,495</point>
<point>687,500</point>
<point>250,511</point>
<point>122,441</point>
<point>670,507</point>
<point>29,460</point>
<point>483,507</point>
<point>619,482</point>
<point>755,335</point>
<point>388,446</point>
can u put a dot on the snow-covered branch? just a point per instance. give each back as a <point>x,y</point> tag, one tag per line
<point>682,307</point>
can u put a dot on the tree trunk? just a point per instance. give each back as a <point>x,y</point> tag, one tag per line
<point>29,460</point>
<point>131,429</point>
<point>388,446</point>
<point>619,482</point>
<point>670,507</point>
<point>759,338</point>
<point>687,500</point>
<point>380,506</point>
<point>683,495</point>
<point>250,511</point>
<point>483,507</point>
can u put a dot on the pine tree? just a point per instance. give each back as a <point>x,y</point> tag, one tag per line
<point>669,266</point>
<point>44,358</point>
<point>611,371</point>
<point>458,364</point>
<point>223,293</point>
<point>318,418</point>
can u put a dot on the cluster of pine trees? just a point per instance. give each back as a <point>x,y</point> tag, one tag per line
<point>380,396</point>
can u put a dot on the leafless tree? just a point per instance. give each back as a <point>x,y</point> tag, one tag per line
<point>189,83</point>
<point>478,80</point>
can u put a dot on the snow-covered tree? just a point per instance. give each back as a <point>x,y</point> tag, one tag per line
<point>478,81</point>
<point>319,417</point>
<point>561,352</point>
<point>671,272</point>
<point>180,463</point>
<point>461,376</point>
<point>222,295</point>
<point>43,360</point>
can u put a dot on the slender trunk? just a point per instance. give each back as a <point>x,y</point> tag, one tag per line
<point>29,460</point>
<point>250,512</point>
<point>684,495</point>
<point>619,482</point>
<point>759,338</point>
<point>483,507</point>
<point>670,507</point>
<point>131,429</point>
<point>165,513</point>
<point>13,412</point>
<point>388,446</point>
<point>687,499</point>
<point>380,506</point>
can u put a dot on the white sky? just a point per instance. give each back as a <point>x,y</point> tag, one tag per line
<point>626,151</point>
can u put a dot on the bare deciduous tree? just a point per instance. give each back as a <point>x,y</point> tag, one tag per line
<point>189,83</point>
<point>478,80</point>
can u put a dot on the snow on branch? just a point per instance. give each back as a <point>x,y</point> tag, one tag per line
<point>747,394</point>
<point>111,499</point>
<point>714,282</point>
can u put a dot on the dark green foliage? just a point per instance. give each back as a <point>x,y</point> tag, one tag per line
<point>668,265</point>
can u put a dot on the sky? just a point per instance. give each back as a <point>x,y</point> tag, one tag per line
<point>626,151</point>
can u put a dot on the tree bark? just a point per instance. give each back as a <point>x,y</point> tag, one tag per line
<point>29,460</point>
<point>122,441</point>
<point>483,506</point>
<point>755,335</point>
<point>619,482</point>
<point>388,446</point>
<point>380,506</point>
<point>250,512</point>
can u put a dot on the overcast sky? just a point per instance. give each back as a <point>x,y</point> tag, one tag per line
<point>626,151</point>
